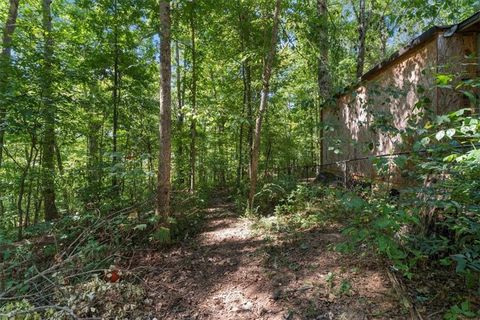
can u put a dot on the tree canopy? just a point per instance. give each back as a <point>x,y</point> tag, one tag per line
<point>108,104</point>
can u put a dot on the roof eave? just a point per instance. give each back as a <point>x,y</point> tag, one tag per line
<point>415,43</point>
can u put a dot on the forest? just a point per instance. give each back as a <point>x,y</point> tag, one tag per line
<point>239,159</point>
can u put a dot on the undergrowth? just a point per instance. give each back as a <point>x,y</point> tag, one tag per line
<point>430,231</point>
<point>79,265</point>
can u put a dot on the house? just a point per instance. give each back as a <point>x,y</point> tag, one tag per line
<point>363,123</point>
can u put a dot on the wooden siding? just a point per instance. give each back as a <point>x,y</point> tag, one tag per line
<point>358,119</point>
<point>456,55</point>
<point>356,123</point>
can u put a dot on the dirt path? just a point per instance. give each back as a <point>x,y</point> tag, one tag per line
<point>228,272</point>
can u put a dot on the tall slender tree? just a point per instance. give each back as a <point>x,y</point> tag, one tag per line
<point>323,77</point>
<point>5,57</point>
<point>115,99</point>
<point>193,123</point>
<point>180,87</point>
<point>266,75</point>
<point>49,111</point>
<point>164,158</point>
<point>362,19</point>
<point>244,29</point>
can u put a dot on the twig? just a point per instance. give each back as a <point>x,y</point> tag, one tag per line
<point>403,296</point>
<point>430,316</point>
<point>12,314</point>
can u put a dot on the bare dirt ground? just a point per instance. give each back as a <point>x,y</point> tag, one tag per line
<point>228,272</point>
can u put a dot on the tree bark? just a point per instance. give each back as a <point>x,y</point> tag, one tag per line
<point>93,164</point>
<point>267,72</point>
<point>250,115</point>
<point>164,158</point>
<point>115,100</point>
<point>21,192</point>
<point>38,197</point>
<point>362,34</point>
<point>323,77</point>
<point>5,58</point>
<point>193,124</point>
<point>247,98</point>
<point>61,171</point>
<point>180,115</point>
<point>30,189</point>
<point>49,110</point>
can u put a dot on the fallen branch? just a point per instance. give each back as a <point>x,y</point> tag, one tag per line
<point>12,314</point>
<point>402,295</point>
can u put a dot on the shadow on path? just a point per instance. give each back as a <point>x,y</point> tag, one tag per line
<point>226,272</point>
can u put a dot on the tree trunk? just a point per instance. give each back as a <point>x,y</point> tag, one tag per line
<point>323,77</point>
<point>115,100</point>
<point>62,176</point>
<point>362,33</point>
<point>49,110</point>
<point>250,116</point>
<point>193,124</point>
<point>221,164</point>
<point>5,57</point>
<point>151,182</point>
<point>180,115</point>
<point>21,192</point>
<point>247,99</point>
<point>267,72</point>
<point>93,166</point>
<point>38,197</point>
<point>164,158</point>
<point>30,189</point>
<point>268,151</point>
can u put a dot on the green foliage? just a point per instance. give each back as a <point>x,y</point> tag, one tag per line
<point>377,223</point>
<point>305,207</point>
<point>95,39</point>
<point>272,193</point>
<point>442,231</point>
<point>345,288</point>
<point>93,298</point>
<point>81,246</point>
<point>461,312</point>
<point>162,235</point>
<point>10,309</point>
<point>434,225</point>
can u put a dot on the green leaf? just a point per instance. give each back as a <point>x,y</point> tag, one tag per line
<point>450,158</point>
<point>425,141</point>
<point>443,79</point>
<point>471,97</point>
<point>440,135</point>
<point>461,262</point>
<point>401,161</point>
<point>442,119</point>
<point>140,227</point>
<point>162,235</point>
<point>451,133</point>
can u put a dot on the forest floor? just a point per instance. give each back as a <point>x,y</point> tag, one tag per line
<point>231,271</point>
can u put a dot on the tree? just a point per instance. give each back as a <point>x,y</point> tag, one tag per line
<point>363,19</point>
<point>180,94</point>
<point>48,144</point>
<point>5,57</point>
<point>267,73</point>
<point>244,34</point>
<point>89,98</point>
<point>115,100</point>
<point>164,158</point>
<point>323,78</point>
<point>193,123</point>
